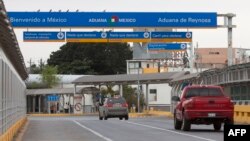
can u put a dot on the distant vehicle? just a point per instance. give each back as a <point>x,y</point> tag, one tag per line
<point>113,107</point>
<point>202,105</point>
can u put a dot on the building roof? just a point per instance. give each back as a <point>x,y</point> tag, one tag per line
<point>154,78</point>
<point>64,79</point>
<point>86,90</point>
<point>9,43</point>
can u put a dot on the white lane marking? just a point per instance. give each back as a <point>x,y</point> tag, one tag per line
<point>171,131</point>
<point>94,132</point>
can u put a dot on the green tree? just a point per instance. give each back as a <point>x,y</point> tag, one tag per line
<point>108,90</point>
<point>91,58</point>
<point>34,69</point>
<point>49,77</point>
<point>130,95</point>
<point>36,85</point>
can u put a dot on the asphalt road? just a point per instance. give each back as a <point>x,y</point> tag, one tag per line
<point>89,128</point>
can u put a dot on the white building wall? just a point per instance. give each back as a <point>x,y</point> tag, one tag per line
<point>162,96</point>
<point>12,94</point>
<point>160,100</point>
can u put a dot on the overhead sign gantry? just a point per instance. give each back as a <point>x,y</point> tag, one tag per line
<point>113,19</point>
<point>124,20</point>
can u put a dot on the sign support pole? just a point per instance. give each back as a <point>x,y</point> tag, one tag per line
<point>230,39</point>
<point>191,57</point>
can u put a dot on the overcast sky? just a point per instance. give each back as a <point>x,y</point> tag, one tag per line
<point>204,37</point>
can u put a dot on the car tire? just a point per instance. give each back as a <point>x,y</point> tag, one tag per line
<point>217,126</point>
<point>177,123</point>
<point>186,125</point>
<point>229,122</point>
<point>126,117</point>
<point>120,118</point>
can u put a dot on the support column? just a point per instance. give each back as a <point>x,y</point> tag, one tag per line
<point>121,90</point>
<point>63,103</point>
<point>48,107</point>
<point>83,105</point>
<point>28,104</point>
<point>69,104</point>
<point>147,102</point>
<point>74,99</point>
<point>39,104</point>
<point>44,103</point>
<point>34,104</point>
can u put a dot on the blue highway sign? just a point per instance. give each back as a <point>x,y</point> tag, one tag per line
<point>162,47</point>
<point>44,36</point>
<point>113,19</point>
<point>53,98</point>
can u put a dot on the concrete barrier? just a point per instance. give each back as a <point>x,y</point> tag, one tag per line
<point>242,114</point>
<point>132,115</point>
<point>12,131</point>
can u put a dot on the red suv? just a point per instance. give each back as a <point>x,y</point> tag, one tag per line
<point>202,105</point>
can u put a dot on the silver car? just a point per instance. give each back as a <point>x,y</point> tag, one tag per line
<point>114,107</point>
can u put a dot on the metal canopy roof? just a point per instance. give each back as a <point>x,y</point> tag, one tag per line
<point>10,45</point>
<point>186,77</point>
<point>154,78</point>
<point>86,90</point>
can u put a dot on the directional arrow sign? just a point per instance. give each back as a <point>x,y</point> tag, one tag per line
<point>44,36</point>
<point>163,47</point>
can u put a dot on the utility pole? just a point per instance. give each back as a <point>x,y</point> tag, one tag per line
<point>191,64</point>
<point>41,64</point>
<point>30,64</point>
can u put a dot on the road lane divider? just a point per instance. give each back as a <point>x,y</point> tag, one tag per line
<point>167,130</point>
<point>94,132</point>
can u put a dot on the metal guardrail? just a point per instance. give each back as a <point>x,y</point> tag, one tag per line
<point>241,102</point>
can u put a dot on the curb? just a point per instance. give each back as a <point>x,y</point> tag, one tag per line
<point>23,129</point>
<point>13,130</point>
<point>60,115</point>
<point>131,115</point>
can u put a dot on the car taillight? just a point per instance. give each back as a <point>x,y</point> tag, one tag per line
<point>231,104</point>
<point>190,104</point>
<point>124,105</point>
<point>109,105</point>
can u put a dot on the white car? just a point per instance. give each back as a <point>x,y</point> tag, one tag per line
<point>114,107</point>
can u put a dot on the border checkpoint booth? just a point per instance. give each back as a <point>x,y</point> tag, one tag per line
<point>60,100</point>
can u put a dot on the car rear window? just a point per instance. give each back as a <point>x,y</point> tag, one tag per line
<point>116,100</point>
<point>192,92</point>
